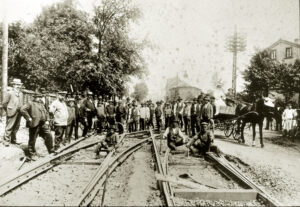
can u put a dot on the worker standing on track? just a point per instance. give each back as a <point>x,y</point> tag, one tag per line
<point>158,115</point>
<point>90,110</point>
<point>12,102</point>
<point>174,135</point>
<point>71,120</point>
<point>203,141</point>
<point>37,119</point>
<point>58,109</point>
<point>111,139</point>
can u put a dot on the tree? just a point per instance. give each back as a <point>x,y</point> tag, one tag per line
<point>140,91</point>
<point>261,75</point>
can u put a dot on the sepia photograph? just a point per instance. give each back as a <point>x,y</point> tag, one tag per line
<point>150,103</point>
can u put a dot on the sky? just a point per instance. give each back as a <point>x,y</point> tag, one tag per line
<point>190,35</point>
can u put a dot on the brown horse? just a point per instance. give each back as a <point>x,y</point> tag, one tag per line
<point>253,114</point>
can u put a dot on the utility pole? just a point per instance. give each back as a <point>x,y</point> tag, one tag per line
<point>4,52</point>
<point>235,43</point>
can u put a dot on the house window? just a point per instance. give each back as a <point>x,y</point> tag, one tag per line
<point>288,52</point>
<point>273,54</point>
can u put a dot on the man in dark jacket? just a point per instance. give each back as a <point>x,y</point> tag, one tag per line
<point>194,122</point>
<point>111,113</point>
<point>90,109</point>
<point>37,118</point>
<point>121,112</point>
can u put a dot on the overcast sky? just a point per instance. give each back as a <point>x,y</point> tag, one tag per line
<point>190,35</point>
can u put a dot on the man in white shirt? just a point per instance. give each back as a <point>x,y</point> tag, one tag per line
<point>174,135</point>
<point>144,116</point>
<point>59,110</point>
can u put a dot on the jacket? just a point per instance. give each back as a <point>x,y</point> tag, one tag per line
<point>207,111</point>
<point>60,113</point>
<point>36,111</point>
<point>88,107</point>
<point>71,115</point>
<point>12,102</point>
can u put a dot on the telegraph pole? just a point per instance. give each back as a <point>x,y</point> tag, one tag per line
<point>4,51</point>
<point>235,43</point>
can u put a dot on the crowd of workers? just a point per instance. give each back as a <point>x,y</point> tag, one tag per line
<point>69,112</point>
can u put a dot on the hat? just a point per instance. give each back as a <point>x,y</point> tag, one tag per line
<point>37,94</point>
<point>179,99</point>
<point>70,99</point>
<point>175,120</point>
<point>204,123</point>
<point>89,93</point>
<point>206,98</point>
<point>62,92</point>
<point>16,82</point>
<point>158,102</point>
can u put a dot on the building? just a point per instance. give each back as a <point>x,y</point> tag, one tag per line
<point>285,51</point>
<point>176,87</point>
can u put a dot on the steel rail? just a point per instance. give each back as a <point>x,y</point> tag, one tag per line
<point>110,163</point>
<point>163,185</point>
<point>243,179</point>
<point>45,164</point>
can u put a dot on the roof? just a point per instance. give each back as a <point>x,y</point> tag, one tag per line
<point>284,42</point>
<point>175,82</point>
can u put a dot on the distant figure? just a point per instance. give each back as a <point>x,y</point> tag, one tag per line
<point>71,120</point>
<point>12,102</point>
<point>288,117</point>
<point>111,139</point>
<point>158,115</point>
<point>174,135</point>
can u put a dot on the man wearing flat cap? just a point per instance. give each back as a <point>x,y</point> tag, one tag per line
<point>58,109</point>
<point>37,119</point>
<point>12,102</point>
<point>203,141</point>
<point>207,112</point>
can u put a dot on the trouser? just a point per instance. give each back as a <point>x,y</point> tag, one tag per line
<point>150,122</point>
<point>76,126</point>
<point>85,126</point>
<point>122,126</point>
<point>142,123</point>
<point>194,125</point>
<point>203,148</point>
<point>134,125</point>
<point>111,120</point>
<point>167,121</point>
<point>59,133</point>
<point>172,144</point>
<point>100,124</point>
<point>187,125</point>
<point>43,131</point>
<point>158,124</point>
<point>69,131</point>
<point>180,117</point>
<point>90,120</point>
<point>12,127</point>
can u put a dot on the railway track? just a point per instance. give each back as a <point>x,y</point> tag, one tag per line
<point>58,180</point>
<point>213,181</point>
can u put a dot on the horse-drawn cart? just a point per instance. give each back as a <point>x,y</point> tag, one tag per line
<point>226,120</point>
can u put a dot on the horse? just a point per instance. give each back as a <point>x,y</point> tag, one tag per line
<point>253,114</point>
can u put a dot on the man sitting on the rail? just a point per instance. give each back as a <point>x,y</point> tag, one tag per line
<point>203,141</point>
<point>111,139</point>
<point>174,135</point>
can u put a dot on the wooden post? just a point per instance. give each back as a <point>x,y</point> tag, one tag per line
<point>4,53</point>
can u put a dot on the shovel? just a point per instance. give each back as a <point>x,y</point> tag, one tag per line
<point>186,176</point>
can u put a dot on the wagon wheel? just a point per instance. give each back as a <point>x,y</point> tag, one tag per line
<point>228,129</point>
<point>235,133</point>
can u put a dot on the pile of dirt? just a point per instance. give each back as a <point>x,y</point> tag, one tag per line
<point>198,202</point>
<point>275,181</point>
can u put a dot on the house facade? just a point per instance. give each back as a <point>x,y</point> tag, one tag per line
<point>286,52</point>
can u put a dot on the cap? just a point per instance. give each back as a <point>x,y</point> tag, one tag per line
<point>204,123</point>
<point>89,93</point>
<point>62,92</point>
